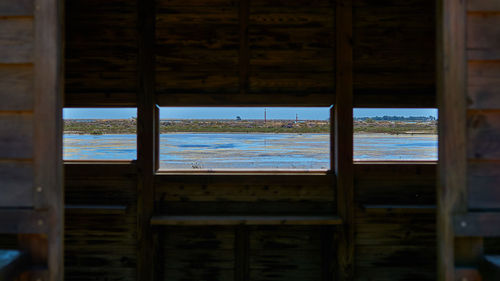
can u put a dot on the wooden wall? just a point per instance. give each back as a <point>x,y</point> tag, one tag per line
<point>244,52</point>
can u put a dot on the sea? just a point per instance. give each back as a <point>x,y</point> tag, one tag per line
<point>206,151</point>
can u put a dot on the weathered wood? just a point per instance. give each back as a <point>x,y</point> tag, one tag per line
<point>245,220</point>
<point>483,5</point>
<point>486,224</point>
<point>394,53</point>
<point>16,136</point>
<point>483,31</point>
<point>244,188</point>
<point>23,221</point>
<point>483,82</point>
<point>17,184</point>
<point>48,93</point>
<point>96,209</point>
<point>16,87</point>
<point>241,253</point>
<point>483,179</point>
<point>483,135</point>
<point>451,88</point>
<point>344,166</point>
<point>12,264</point>
<point>16,40</point>
<point>16,7</point>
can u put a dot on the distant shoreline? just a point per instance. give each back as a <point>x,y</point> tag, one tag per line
<point>129,126</point>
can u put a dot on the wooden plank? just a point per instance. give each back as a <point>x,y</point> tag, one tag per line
<point>17,184</point>
<point>23,221</point>
<point>486,224</point>
<point>96,209</point>
<point>483,179</point>
<point>483,31</point>
<point>483,82</point>
<point>483,6</point>
<point>12,264</point>
<point>244,55</point>
<point>344,166</point>
<point>483,133</point>
<point>451,77</point>
<point>246,220</point>
<point>16,136</point>
<point>241,253</point>
<point>16,40</point>
<point>16,7</point>
<point>16,87</point>
<point>48,91</point>
<point>146,136</point>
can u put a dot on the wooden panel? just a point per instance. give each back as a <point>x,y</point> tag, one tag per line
<point>17,184</point>
<point>395,184</point>
<point>197,253</point>
<point>483,85</point>
<point>16,87</point>
<point>483,140</point>
<point>245,220</point>
<point>16,136</point>
<point>394,61</point>
<point>101,53</point>
<point>14,221</point>
<point>483,5</point>
<point>451,90</point>
<point>16,40</point>
<point>390,245</point>
<point>292,47</point>
<point>483,31</point>
<point>285,253</point>
<point>477,224</point>
<point>483,180</point>
<point>197,47</point>
<point>244,188</point>
<point>16,7</point>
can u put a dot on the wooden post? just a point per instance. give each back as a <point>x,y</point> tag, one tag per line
<point>146,138</point>
<point>451,76</point>
<point>343,126</point>
<point>48,88</point>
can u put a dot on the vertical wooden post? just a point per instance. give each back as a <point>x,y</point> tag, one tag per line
<point>146,138</point>
<point>344,168</point>
<point>451,76</point>
<point>48,88</point>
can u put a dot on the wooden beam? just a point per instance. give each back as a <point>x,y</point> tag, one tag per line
<point>48,90</point>
<point>146,118</point>
<point>23,221</point>
<point>344,167</point>
<point>451,77</point>
<point>246,220</point>
<point>485,224</point>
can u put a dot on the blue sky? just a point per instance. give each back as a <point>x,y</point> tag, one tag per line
<point>305,113</point>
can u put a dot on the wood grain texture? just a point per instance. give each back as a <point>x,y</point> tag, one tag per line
<point>483,6</point>
<point>16,7</point>
<point>483,135</point>
<point>245,220</point>
<point>451,87</point>
<point>483,179</point>
<point>17,184</point>
<point>483,83</point>
<point>16,136</point>
<point>394,53</point>
<point>16,87</point>
<point>101,53</point>
<point>483,31</point>
<point>16,40</point>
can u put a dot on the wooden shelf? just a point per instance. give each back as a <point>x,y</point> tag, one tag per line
<point>12,263</point>
<point>246,220</point>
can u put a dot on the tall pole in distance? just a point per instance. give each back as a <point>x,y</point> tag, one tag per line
<point>265,115</point>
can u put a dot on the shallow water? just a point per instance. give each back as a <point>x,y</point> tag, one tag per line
<point>250,151</point>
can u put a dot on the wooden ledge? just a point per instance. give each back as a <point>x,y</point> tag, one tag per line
<point>23,221</point>
<point>246,220</point>
<point>485,224</point>
<point>96,209</point>
<point>12,264</point>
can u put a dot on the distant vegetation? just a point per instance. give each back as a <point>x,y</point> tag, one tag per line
<point>129,126</point>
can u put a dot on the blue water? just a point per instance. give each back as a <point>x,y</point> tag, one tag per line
<point>250,151</point>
